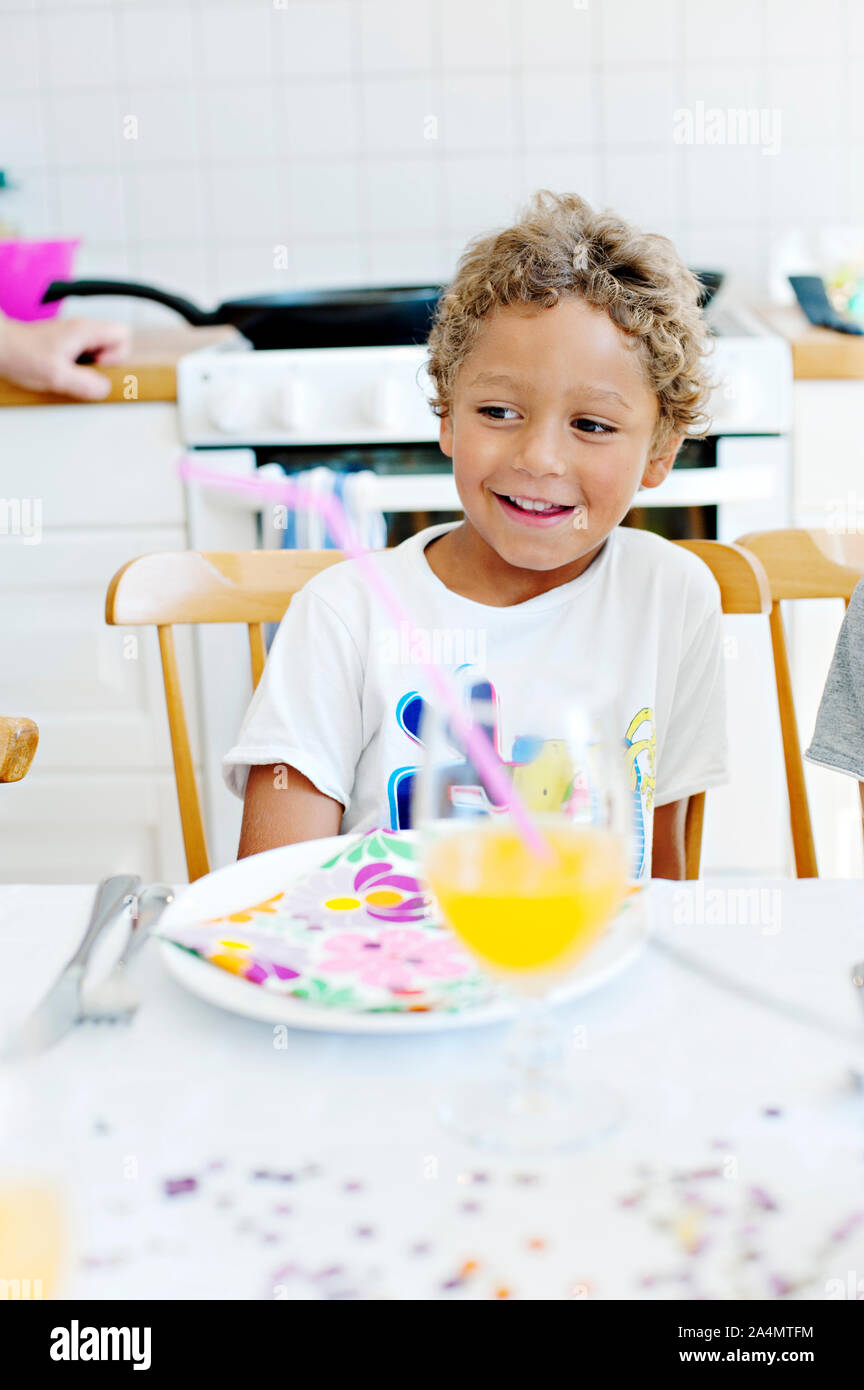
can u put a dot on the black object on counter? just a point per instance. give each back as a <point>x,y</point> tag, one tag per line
<point>710,280</point>
<point>813,298</point>
<point>376,317</point>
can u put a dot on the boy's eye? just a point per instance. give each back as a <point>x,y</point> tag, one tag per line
<point>505,412</point>
<point>593,426</point>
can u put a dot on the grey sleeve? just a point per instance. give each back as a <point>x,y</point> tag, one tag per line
<point>838,738</point>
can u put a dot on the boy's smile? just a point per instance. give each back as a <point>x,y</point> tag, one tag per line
<point>550,432</point>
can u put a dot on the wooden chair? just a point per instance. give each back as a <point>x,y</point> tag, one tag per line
<point>802,564</point>
<point>246,586</point>
<point>256,586</point>
<point>743,589</point>
<point>18,741</point>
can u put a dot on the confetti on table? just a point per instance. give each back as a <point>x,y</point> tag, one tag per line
<point>695,1246</point>
<point>849,1225</point>
<point>762,1199</point>
<point>175,1186</point>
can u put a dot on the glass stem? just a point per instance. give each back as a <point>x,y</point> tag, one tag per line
<point>535,1051</point>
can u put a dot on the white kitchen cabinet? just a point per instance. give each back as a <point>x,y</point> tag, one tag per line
<point>100,795</point>
<point>94,688</point>
<point>105,465</point>
<point>75,827</point>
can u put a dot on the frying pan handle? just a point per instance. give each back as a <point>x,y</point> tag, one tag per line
<point>63,289</point>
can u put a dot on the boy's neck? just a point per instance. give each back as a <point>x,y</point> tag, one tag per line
<point>468,566</point>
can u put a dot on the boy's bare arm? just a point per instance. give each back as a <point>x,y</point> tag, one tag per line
<point>282,807</point>
<point>667,857</point>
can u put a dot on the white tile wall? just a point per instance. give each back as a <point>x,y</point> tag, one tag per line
<point>223,146</point>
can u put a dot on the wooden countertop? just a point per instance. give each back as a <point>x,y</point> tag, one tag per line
<point>817,353</point>
<point>152,362</point>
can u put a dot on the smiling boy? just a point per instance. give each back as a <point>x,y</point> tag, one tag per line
<point>567,366</point>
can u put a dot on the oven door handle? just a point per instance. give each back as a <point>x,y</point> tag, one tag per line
<point>381,492</point>
<point>239,501</point>
<point>712,487</point>
<point>407,492</point>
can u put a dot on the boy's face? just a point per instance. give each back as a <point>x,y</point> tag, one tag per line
<point>551,406</point>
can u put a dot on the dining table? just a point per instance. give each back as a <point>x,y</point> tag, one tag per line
<point>202,1154</point>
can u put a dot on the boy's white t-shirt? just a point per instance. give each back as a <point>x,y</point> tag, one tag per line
<point>339,697</point>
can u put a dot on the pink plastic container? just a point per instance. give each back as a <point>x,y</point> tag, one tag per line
<point>26,270</point>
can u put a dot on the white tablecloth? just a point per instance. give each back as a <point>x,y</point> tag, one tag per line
<point>203,1161</point>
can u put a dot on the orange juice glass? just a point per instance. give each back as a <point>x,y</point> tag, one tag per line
<point>530,908</point>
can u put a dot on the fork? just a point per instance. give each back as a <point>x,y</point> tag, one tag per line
<point>114,1000</point>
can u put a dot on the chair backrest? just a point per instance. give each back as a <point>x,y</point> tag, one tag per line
<point>18,740</point>
<point>802,564</point>
<point>246,586</point>
<point>743,589</point>
<point>808,564</point>
<point>256,586</point>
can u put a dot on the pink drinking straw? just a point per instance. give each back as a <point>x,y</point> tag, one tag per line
<point>473,737</point>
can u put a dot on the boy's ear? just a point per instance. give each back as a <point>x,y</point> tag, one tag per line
<point>445,435</point>
<point>659,466</point>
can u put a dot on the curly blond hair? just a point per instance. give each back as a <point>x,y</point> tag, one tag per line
<point>561,247</point>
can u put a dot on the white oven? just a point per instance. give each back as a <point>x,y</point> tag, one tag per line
<point>364,410</point>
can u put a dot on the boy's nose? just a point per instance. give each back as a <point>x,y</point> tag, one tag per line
<point>539,457</point>
<point>539,452</point>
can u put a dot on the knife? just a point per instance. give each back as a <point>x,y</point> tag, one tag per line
<point>114,999</point>
<point>60,1010</point>
<point>796,1013</point>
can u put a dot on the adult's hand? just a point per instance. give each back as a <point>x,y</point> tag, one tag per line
<point>41,356</point>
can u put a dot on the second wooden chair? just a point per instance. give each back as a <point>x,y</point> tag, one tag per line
<point>801,564</point>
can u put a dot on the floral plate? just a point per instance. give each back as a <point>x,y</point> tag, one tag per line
<point>342,936</point>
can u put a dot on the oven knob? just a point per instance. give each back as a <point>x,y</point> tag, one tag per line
<point>231,407</point>
<point>293,405</point>
<point>383,405</point>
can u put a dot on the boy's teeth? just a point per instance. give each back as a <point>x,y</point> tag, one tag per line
<point>528,505</point>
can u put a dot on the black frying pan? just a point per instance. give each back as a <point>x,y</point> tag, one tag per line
<point>303,319</point>
<point>378,317</point>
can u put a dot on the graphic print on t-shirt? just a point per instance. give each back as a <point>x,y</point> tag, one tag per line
<point>640,742</point>
<point>642,780</point>
<point>401,782</point>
